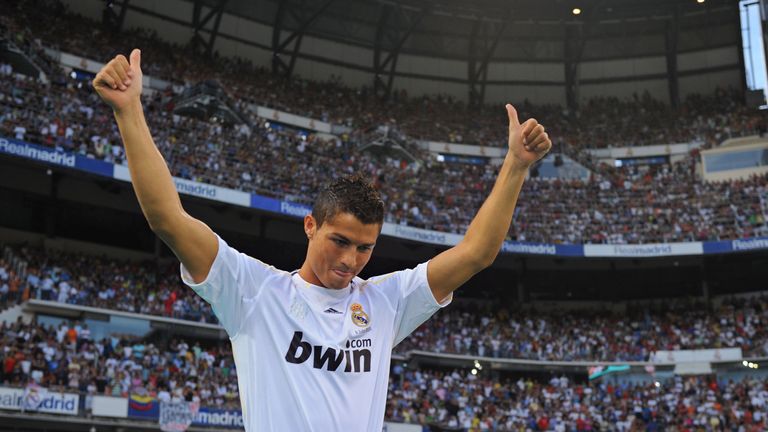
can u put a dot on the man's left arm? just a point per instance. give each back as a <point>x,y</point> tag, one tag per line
<point>449,270</point>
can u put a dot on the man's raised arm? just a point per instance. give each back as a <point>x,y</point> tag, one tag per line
<point>119,84</point>
<point>449,270</point>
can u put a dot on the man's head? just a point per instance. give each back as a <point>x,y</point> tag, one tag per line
<point>345,222</point>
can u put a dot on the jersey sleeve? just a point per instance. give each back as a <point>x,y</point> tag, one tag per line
<point>416,303</point>
<point>234,280</point>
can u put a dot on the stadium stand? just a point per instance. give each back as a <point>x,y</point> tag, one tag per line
<point>633,206</point>
<point>633,333</point>
<point>463,401</point>
<point>612,122</point>
<point>616,205</point>
<point>66,359</point>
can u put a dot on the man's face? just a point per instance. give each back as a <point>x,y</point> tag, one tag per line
<point>339,249</point>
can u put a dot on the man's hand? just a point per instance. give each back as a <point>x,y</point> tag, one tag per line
<point>527,142</point>
<point>119,82</point>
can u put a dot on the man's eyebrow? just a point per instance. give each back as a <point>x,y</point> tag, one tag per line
<point>341,237</point>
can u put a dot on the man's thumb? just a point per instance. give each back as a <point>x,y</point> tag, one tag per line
<point>136,58</point>
<point>512,113</point>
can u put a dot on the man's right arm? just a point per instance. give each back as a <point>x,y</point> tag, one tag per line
<point>194,243</point>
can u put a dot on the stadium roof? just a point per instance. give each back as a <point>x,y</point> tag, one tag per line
<point>526,29</point>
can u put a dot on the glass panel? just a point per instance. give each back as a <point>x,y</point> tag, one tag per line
<point>737,160</point>
<point>101,329</point>
<point>118,324</point>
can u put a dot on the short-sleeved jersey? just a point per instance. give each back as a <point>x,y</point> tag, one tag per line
<point>310,358</point>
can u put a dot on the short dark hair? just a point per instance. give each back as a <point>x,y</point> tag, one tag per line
<point>350,194</point>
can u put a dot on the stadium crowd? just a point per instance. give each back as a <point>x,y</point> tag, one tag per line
<point>462,401</point>
<point>81,279</point>
<point>66,358</point>
<point>633,334</point>
<point>602,122</point>
<point>628,205</point>
<point>663,204</point>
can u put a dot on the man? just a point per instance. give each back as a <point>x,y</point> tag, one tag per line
<point>312,348</point>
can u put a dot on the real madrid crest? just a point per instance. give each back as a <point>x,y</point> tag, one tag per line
<point>359,317</point>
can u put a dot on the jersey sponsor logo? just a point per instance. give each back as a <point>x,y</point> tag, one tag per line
<point>355,358</point>
<point>359,317</point>
<point>331,310</point>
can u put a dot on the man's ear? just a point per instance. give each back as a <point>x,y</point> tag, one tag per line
<point>310,226</point>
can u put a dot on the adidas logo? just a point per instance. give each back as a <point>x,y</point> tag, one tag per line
<point>331,310</point>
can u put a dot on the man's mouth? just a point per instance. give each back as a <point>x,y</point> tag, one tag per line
<point>343,274</point>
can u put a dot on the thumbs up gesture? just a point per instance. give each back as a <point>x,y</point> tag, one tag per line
<point>119,82</point>
<point>527,142</point>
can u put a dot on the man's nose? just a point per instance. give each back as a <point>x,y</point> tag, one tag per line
<point>348,259</point>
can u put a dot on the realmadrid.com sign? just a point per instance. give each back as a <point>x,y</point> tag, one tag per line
<point>212,417</point>
<point>41,401</point>
<point>37,153</point>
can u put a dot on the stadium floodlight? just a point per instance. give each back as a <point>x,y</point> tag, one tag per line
<point>745,363</point>
<point>576,11</point>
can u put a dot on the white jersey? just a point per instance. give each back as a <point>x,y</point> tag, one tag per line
<point>310,358</point>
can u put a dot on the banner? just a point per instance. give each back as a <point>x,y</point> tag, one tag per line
<point>145,407</point>
<point>33,397</point>
<point>219,418</point>
<point>38,399</point>
<point>177,416</point>
<point>401,427</point>
<point>596,372</point>
<point>741,245</point>
<point>293,209</point>
<point>202,190</point>
<point>698,356</point>
<point>107,406</point>
<point>291,119</point>
<point>643,250</point>
<point>420,235</point>
<point>54,157</point>
<point>542,249</point>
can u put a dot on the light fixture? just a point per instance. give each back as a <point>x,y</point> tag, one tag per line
<point>576,11</point>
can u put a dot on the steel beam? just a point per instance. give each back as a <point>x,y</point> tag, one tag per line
<point>111,19</point>
<point>199,42</point>
<point>390,38</point>
<point>478,71</point>
<point>288,43</point>
<point>671,39</point>
<point>576,37</point>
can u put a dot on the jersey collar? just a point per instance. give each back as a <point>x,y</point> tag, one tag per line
<point>321,294</point>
